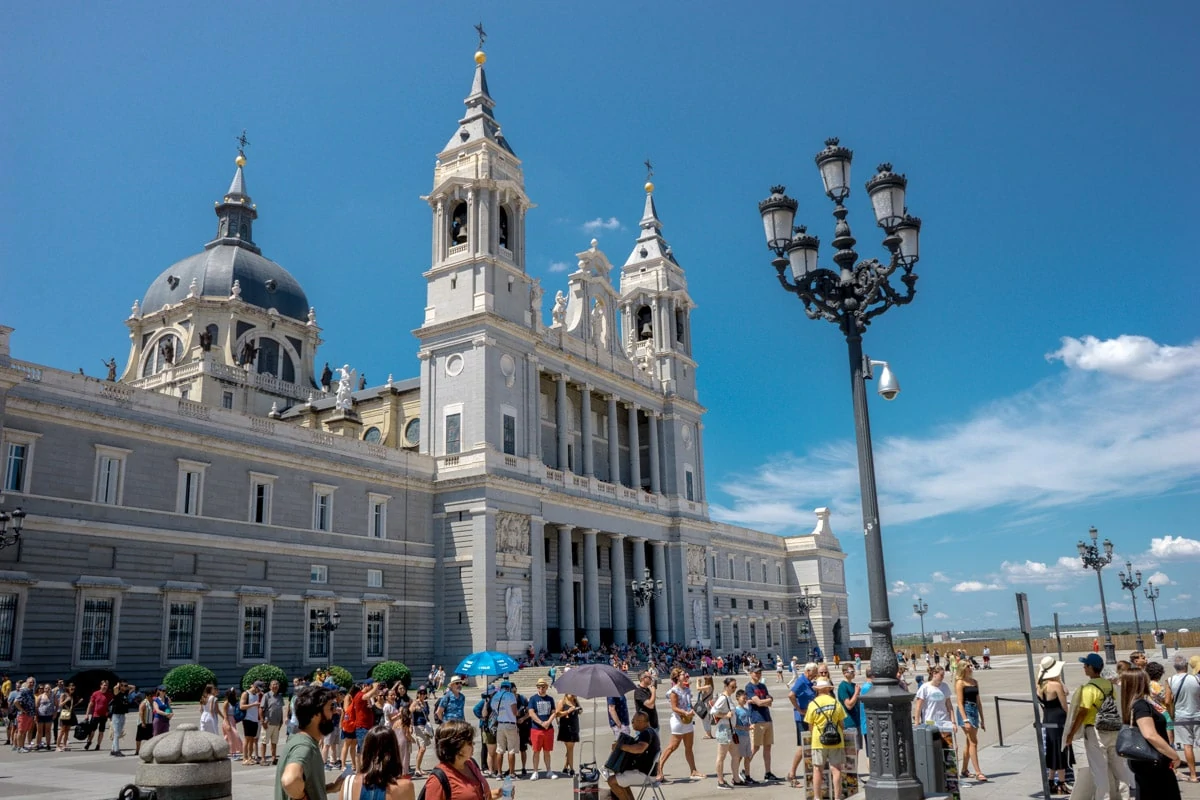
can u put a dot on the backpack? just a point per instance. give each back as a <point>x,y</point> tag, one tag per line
<point>239,713</point>
<point>830,735</point>
<point>1108,718</point>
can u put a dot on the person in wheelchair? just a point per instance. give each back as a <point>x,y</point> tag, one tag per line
<point>633,758</point>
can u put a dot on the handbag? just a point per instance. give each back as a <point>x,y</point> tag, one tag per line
<point>1132,744</point>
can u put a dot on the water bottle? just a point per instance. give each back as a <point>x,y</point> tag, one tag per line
<point>506,789</point>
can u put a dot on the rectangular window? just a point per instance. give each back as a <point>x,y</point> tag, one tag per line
<point>691,486</point>
<point>318,573</point>
<point>8,626</point>
<point>375,631</point>
<point>779,573</point>
<point>510,435</point>
<point>184,394</point>
<point>377,515</point>
<point>768,629</point>
<point>733,602</point>
<point>751,606</point>
<point>16,465</point>
<point>766,605</point>
<point>95,637</point>
<point>191,487</point>
<point>748,578</point>
<point>453,434</point>
<point>227,400</point>
<point>108,480</point>
<point>181,630</point>
<point>322,507</point>
<point>374,579</point>
<point>254,633</point>
<point>764,572</point>
<point>731,568</point>
<point>753,636</point>
<point>574,554</point>
<point>262,503</point>
<point>191,493</point>
<point>717,636</point>
<point>318,637</point>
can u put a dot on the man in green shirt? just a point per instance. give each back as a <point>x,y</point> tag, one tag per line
<point>301,772</point>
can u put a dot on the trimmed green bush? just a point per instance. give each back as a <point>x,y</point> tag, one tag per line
<point>391,671</point>
<point>265,673</point>
<point>340,675</point>
<point>187,681</point>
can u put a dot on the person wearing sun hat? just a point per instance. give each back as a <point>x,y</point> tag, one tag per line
<point>1052,696</point>
<point>824,711</point>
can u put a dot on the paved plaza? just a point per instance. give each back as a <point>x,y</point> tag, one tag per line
<point>1012,768</point>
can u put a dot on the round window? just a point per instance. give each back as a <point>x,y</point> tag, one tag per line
<point>412,431</point>
<point>373,435</point>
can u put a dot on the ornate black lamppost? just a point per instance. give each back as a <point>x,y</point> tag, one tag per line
<point>921,608</point>
<point>850,296</point>
<point>1159,636</point>
<point>646,589</point>
<point>1094,559</point>
<point>1131,581</point>
<point>804,604</point>
<point>17,518</point>
<point>328,623</point>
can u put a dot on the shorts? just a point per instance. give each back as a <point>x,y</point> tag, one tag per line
<point>831,757</point>
<point>762,734</point>
<point>250,728</point>
<point>25,723</point>
<point>488,734</point>
<point>45,719</point>
<point>144,733</point>
<point>100,724</point>
<point>360,736</point>
<point>424,736</point>
<point>508,740</point>
<point>801,727</point>
<point>631,777</point>
<point>971,710</point>
<point>542,739</point>
<point>272,733</point>
<point>1187,732</point>
<point>523,732</point>
<point>744,749</point>
<point>724,734</point>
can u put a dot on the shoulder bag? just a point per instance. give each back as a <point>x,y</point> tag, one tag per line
<point>1132,744</point>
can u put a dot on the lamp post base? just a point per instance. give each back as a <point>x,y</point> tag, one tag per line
<point>1110,653</point>
<point>1164,650</point>
<point>1141,645</point>
<point>890,731</point>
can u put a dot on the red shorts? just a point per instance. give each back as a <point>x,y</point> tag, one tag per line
<point>541,739</point>
<point>25,723</point>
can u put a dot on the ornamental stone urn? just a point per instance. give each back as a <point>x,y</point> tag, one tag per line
<point>186,764</point>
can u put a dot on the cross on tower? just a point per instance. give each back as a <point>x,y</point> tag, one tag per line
<point>649,169</point>
<point>482,34</point>
<point>242,142</point>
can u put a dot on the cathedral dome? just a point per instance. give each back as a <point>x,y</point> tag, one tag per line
<point>232,258</point>
<point>262,282</point>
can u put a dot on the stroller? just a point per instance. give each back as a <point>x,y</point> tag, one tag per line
<point>974,662</point>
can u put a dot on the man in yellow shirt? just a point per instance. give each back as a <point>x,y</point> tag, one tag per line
<point>825,711</point>
<point>1100,746</point>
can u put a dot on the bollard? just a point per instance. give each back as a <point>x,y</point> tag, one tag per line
<point>183,764</point>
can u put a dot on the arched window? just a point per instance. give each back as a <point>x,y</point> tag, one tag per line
<point>458,225</point>
<point>270,358</point>
<point>645,323</point>
<point>681,327</point>
<point>166,351</point>
<point>503,226</point>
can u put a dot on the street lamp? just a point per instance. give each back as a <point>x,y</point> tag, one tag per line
<point>646,589</point>
<point>850,296</point>
<point>1152,595</point>
<point>17,518</point>
<point>1130,582</point>
<point>921,608</point>
<point>804,604</point>
<point>329,623</point>
<point>1094,559</point>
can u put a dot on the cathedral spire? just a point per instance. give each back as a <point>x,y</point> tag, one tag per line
<point>236,212</point>
<point>479,123</point>
<point>650,243</point>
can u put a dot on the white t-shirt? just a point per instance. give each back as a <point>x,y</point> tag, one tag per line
<point>933,707</point>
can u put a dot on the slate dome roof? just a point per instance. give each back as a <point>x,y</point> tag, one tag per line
<point>263,282</point>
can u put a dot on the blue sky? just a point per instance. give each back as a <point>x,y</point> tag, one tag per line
<point>1050,362</point>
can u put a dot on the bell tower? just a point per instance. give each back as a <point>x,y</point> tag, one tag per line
<point>656,327</point>
<point>478,203</point>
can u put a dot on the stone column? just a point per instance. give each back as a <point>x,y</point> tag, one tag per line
<point>620,585</point>
<point>614,443</point>
<point>591,587</point>
<point>641,614</point>
<point>560,416</point>
<point>635,454</point>
<point>585,420</point>
<point>662,603</point>
<point>652,424</point>
<point>657,339</point>
<point>566,589</point>
<point>537,580</point>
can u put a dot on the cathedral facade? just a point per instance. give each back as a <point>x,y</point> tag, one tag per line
<point>221,500</point>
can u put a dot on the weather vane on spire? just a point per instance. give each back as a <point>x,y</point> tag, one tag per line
<point>242,142</point>
<point>649,169</point>
<point>482,34</point>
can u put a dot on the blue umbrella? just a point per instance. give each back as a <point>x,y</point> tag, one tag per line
<point>487,662</point>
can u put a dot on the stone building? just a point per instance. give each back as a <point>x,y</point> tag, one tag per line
<point>219,499</point>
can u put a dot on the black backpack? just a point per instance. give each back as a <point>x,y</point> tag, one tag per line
<point>1108,718</point>
<point>830,735</point>
<point>442,779</point>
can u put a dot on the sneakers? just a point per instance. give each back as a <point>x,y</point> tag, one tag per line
<point>724,785</point>
<point>534,776</point>
<point>770,776</point>
<point>554,776</point>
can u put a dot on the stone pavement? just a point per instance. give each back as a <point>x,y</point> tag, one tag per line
<point>1013,768</point>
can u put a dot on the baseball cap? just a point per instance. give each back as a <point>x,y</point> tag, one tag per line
<point>1093,660</point>
<point>162,687</point>
<point>506,684</point>
<point>368,681</point>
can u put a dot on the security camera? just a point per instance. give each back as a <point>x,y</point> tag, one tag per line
<point>889,387</point>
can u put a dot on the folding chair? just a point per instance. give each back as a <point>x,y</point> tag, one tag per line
<point>655,789</point>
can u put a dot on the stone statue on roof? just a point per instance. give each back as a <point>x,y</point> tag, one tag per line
<point>559,314</point>
<point>345,400</point>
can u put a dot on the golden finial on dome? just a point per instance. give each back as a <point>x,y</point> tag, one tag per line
<point>240,160</point>
<point>649,187</point>
<point>480,56</point>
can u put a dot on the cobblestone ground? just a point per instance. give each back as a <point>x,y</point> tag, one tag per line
<point>1012,768</point>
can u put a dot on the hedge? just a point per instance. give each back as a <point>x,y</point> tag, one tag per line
<point>340,675</point>
<point>391,671</point>
<point>265,673</point>
<point>187,681</point>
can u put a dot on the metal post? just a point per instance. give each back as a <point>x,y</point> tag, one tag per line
<point>889,708</point>
<point>1023,616</point>
<point>1152,593</point>
<point>1110,650</point>
<point>1058,636</point>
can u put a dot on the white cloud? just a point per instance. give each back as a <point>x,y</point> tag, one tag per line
<point>1135,357</point>
<point>1060,605</point>
<point>558,266</point>
<point>1159,579</point>
<point>1069,440</point>
<point>601,224</point>
<point>899,588</point>
<point>941,615</point>
<point>940,577</point>
<point>1183,597</point>
<point>976,586</point>
<point>1174,547</point>
<point>990,614</point>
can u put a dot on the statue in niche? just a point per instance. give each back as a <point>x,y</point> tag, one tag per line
<point>206,338</point>
<point>112,368</point>
<point>535,296</point>
<point>326,377</point>
<point>514,607</point>
<point>599,325</point>
<point>345,400</point>
<point>168,350</point>
<point>512,533</point>
<point>695,560</point>
<point>248,354</point>
<point>559,314</point>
